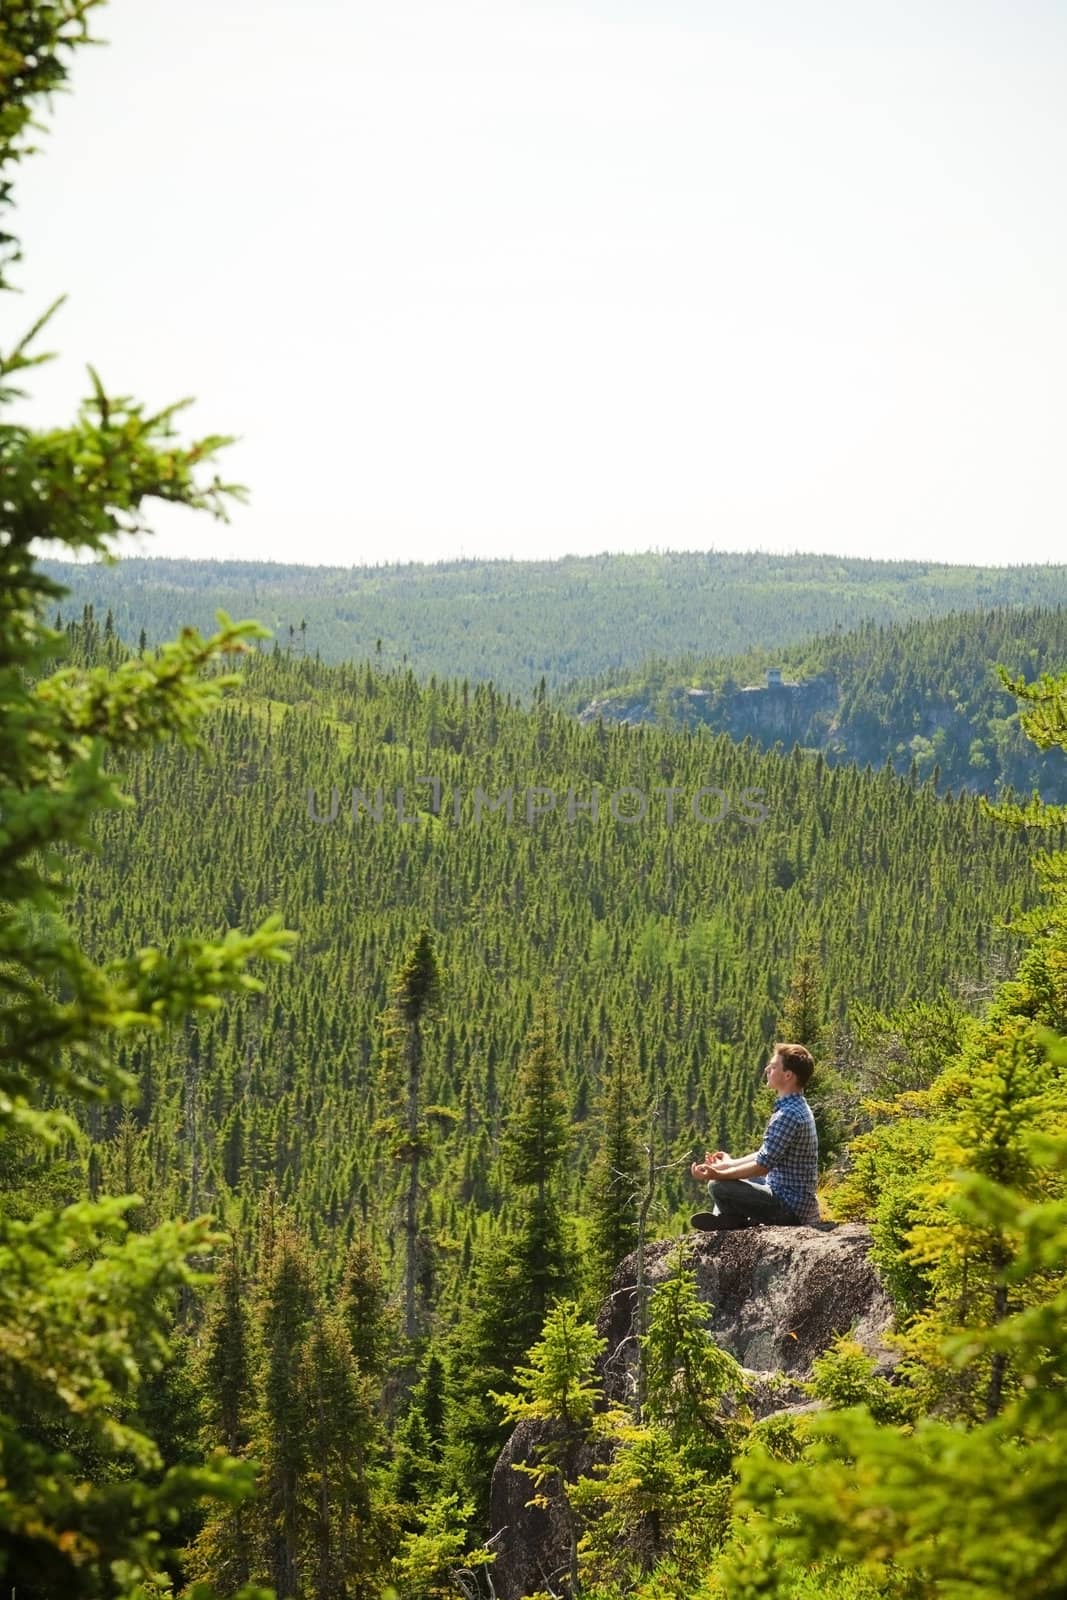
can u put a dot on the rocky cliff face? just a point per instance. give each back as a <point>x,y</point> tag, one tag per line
<point>795,713</point>
<point>787,713</point>
<point>777,1298</point>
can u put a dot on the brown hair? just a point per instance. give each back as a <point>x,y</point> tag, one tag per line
<point>797,1059</point>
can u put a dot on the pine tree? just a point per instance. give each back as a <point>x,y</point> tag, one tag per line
<point>224,1361</point>
<point>687,1375</point>
<point>222,1549</point>
<point>802,1012</point>
<point>558,1388</point>
<point>534,1146</point>
<point>664,1491</point>
<point>428,1399</point>
<point>282,1440</point>
<point>490,1339</point>
<point>518,1273</point>
<point>616,1175</point>
<point>364,1300</point>
<point>414,996</point>
<point>344,1550</point>
<point>802,1023</point>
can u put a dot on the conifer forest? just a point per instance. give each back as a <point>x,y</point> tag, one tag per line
<point>363,1006</point>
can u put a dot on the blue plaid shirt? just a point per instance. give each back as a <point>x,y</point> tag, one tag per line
<point>790,1152</point>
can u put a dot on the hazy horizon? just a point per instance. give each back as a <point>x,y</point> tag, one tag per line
<point>481,281</point>
<point>146,553</point>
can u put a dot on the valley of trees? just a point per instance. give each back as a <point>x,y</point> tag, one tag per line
<point>321,1131</point>
<point>413,1139</point>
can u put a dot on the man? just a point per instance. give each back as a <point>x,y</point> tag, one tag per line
<point>788,1158</point>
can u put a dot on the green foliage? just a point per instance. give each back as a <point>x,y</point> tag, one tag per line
<point>687,1376</point>
<point>536,1134</point>
<point>341,1431</point>
<point>300,1409</point>
<point>534,1145</point>
<point>891,1053</point>
<point>520,1270</point>
<point>287,1091</point>
<point>802,1023</point>
<point>802,1014</point>
<point>557,1382</point>
<point>83,1305</point>
<point>88,1504</point>
<point>845,1376</point>
<point>935,1508</point>
<point>663,1500</point>
<point>408,1124</point>
<point>35,45</point>
<point>494,1333</point>
<point>560,1393</point>
<point>651,1510</point>
<point>1043,721</point>
<point>432,1560</point>
<point>364,1305</point>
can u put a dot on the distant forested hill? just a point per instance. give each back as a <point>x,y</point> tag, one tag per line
<point>516,622</point>
<point>923,694</point>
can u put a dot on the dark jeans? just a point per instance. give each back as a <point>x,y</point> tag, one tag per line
<point>741,1203</point>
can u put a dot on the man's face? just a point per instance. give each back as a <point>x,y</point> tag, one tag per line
<point>778,1077</point>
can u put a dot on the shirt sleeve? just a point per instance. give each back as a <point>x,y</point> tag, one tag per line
<point>776,1140</point>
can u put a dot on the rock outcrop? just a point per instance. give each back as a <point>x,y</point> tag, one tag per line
<point>777,1298</point>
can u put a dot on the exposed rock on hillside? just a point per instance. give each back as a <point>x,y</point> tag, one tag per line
<point>777,1298</point>
<point>785,712</point>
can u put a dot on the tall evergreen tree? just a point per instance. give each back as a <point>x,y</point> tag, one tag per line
<point>519,1272</point>
<point>415,993</point>
<point>222,1549</point>
<point>802,1023</point>
<point>802,1012</point>
<point>615,1177</point>
<point>282,1437</point>
<point>364,1300</point>
<point>535,1143</point>
<point>345,1548</point>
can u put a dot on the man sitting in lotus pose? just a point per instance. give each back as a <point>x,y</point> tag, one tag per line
<point>788,1159</point>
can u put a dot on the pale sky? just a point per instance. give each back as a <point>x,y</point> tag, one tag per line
<point>526,278</point>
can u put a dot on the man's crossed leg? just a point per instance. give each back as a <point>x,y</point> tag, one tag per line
<point>739,1203</point>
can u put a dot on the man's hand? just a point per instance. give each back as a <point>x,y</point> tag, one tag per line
<point>703,1170</point>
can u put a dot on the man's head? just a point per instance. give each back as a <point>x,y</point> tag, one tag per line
<point>790,1068</point>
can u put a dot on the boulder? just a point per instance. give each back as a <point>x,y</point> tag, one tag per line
<point>777,1298</point>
